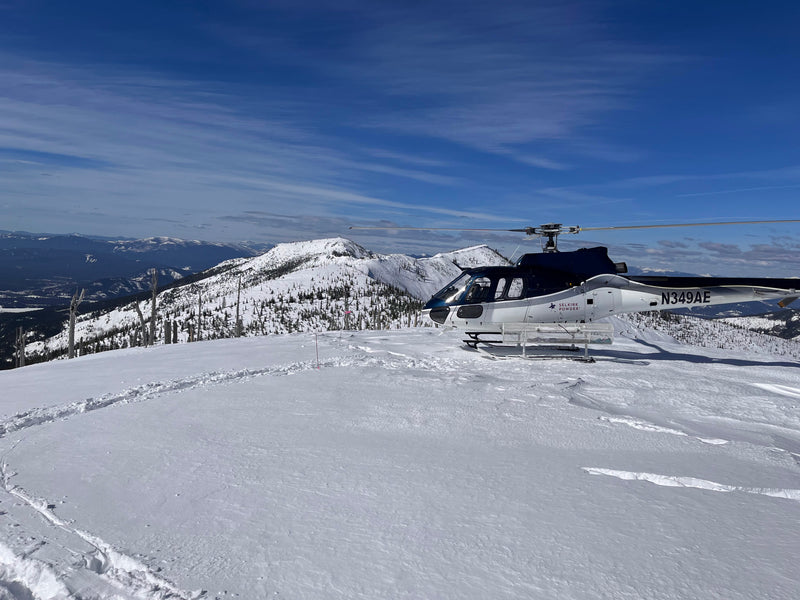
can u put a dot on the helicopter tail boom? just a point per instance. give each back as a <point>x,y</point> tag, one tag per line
<point>681,292</point>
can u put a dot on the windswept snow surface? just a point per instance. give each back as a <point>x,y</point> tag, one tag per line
<point>400,465</point>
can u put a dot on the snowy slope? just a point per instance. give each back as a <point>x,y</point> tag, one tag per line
<point>302,286</point>
<point>398,464</point>
<point>785,323</point>
<point>716,333</point>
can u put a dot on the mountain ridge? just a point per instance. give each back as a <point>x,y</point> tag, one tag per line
<point>332,283</point>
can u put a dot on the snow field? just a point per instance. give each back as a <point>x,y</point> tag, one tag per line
<point>404,467</point>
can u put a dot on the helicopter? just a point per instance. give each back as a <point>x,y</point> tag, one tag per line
<point>568,292</point>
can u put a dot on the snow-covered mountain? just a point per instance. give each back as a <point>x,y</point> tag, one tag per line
<point>303,286</point>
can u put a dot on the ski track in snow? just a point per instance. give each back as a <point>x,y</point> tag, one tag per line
<point>28,578</point>
<point>141,393</point>
<point>693,482</point>
<point>25,577</point>
<point>148,391</point>
<point>122,573</point>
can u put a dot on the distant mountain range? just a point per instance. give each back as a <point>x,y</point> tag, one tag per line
<point>38,270</point>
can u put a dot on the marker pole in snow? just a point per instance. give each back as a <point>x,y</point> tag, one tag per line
<point>316,347</point>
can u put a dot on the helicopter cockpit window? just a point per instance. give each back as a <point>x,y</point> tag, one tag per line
<point>515,289</point>
<point>454,289</point>
<point>501,287</point>
<point>479,290</point>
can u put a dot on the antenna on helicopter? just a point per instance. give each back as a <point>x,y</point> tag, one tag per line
<point>549,232</point>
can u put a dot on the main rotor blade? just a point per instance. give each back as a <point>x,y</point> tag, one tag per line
<point>689,224</point>
<point>434,228</point>
<point>539,230</point>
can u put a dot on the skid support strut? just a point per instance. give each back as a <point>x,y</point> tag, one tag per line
<point>541,340</point>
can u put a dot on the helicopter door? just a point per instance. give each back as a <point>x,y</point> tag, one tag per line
<point>599,303</point>
<point>499,309</point>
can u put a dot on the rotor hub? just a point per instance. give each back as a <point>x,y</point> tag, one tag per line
<point>549,232</point>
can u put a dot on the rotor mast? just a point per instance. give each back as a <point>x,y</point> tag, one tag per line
<point>549,232</point>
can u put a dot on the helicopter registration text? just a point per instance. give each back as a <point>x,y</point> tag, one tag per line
<point>687,297</point>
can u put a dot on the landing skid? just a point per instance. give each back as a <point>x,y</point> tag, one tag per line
<point>533,353</point>
<point>541,340</point>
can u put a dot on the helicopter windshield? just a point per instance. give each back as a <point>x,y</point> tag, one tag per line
<point>452,291</point>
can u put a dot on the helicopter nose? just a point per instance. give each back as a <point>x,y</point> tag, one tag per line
<point>438,313</point>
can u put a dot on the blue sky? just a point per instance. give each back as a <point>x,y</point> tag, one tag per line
<point>288,120</point>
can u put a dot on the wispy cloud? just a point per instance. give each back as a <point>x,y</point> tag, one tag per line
<point>577,198</point>
<point>483,79</point>
<point>773,258</point>
<point>413,159</point>
<point>137,142</point>
<point>439,114</point>
<point>787,173</point>
<point>740,190</point>
<point>672,244</point>
<point>542,162</point>
<point>285,227</point>
<point>722,250</point>
<point>533,81</point>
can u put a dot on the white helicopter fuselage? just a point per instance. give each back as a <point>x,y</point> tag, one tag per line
<point>582,286</point>
<point>599,297</point>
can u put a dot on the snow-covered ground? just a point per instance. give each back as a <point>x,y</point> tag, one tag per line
<point>751,322</point>
<point>401,465</point>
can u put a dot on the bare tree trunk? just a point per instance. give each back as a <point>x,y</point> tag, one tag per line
<point>154,286</point>
<point>73,311</point>
<point>142,323</point>
<point>20,346</point>
<point>346,307</point>
<point>199,335</point>
<point>238,298</point>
